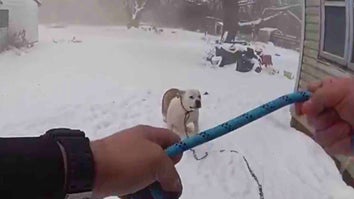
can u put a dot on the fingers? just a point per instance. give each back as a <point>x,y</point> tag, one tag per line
<point>342,147</point>
<point>133,159</point>
<point>324,120</point>
<point>145,193</point>
<point>330,94</point>
<point>333,134</point>
<point>346,107</point>
<point>298,108</point>
<point>160,136</point>
<point>314,86</point>
<point>168,177</point>
<point>176,159</point>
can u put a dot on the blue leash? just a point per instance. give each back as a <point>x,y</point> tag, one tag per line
<point>223,129</point>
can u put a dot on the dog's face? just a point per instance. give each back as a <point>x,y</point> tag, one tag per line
<point>191,99</point>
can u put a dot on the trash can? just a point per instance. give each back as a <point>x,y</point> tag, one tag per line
<point>4,25</point>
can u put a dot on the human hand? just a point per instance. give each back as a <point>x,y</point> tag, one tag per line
<point>331,112</point>
<point>129,161</point>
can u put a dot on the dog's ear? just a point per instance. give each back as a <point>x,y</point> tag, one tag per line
<point>180,93</point>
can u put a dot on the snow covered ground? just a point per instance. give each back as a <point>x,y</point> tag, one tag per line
<point>115,78</point>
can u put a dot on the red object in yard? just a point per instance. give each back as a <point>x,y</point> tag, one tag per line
<point>267,60</point>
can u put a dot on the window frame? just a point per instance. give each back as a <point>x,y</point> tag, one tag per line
<point>340,60</point>
<point>351,41</point>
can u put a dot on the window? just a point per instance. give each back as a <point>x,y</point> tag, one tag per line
<point>334,30</point>
<point>4,18</point>
<point>337,31</point>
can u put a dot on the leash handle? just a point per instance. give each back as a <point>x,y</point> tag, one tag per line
<point>225,128</point>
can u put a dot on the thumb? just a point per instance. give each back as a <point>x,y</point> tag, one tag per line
<point>168,177</point>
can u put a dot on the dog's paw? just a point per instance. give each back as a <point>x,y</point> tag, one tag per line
<point>181,135</point>
<point>190,128</point>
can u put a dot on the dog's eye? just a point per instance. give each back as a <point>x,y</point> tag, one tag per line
<point>191,97</point>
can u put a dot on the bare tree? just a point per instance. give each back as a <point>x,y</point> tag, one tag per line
<point>135,9</point>
<point>215,7</point>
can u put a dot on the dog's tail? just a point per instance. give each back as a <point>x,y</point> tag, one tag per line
<point>166,100</point>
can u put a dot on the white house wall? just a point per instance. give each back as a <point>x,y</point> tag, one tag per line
<point>23,15</point>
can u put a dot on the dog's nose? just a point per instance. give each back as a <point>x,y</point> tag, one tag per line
<point>198,104</point>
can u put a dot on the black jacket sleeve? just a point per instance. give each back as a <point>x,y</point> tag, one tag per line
<point>31,168</point>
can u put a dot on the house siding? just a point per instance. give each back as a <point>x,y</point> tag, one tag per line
<point>314,68</point>
<point>23,15</point>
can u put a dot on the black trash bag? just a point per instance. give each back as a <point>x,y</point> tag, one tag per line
<point>232,55</point>
<point>244,64</point>
<point>227,57</point>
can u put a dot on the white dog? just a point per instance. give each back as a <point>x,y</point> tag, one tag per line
<point>180,110</point>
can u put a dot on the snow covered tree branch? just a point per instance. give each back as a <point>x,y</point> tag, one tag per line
<point>135,9</point>
<point>259,21</point>
<point>138,8</point>
<point>279,9</point>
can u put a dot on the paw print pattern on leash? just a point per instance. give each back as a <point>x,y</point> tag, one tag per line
<point>305,94</point>
<point>205,136</point>
<point>269,107</point>
<point>248,116</point>
<point>286,98</point>
<point>227,126</point>
<point>182,146</point>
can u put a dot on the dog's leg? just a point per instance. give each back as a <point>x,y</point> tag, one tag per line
<point>190,128</point>
<point>180,134</point>
<point>196,127</point>
<point>170,127</point>
<point>175,131</point>
<point>193,128</point>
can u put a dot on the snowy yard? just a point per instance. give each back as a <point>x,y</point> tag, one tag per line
<point>115,78</point>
